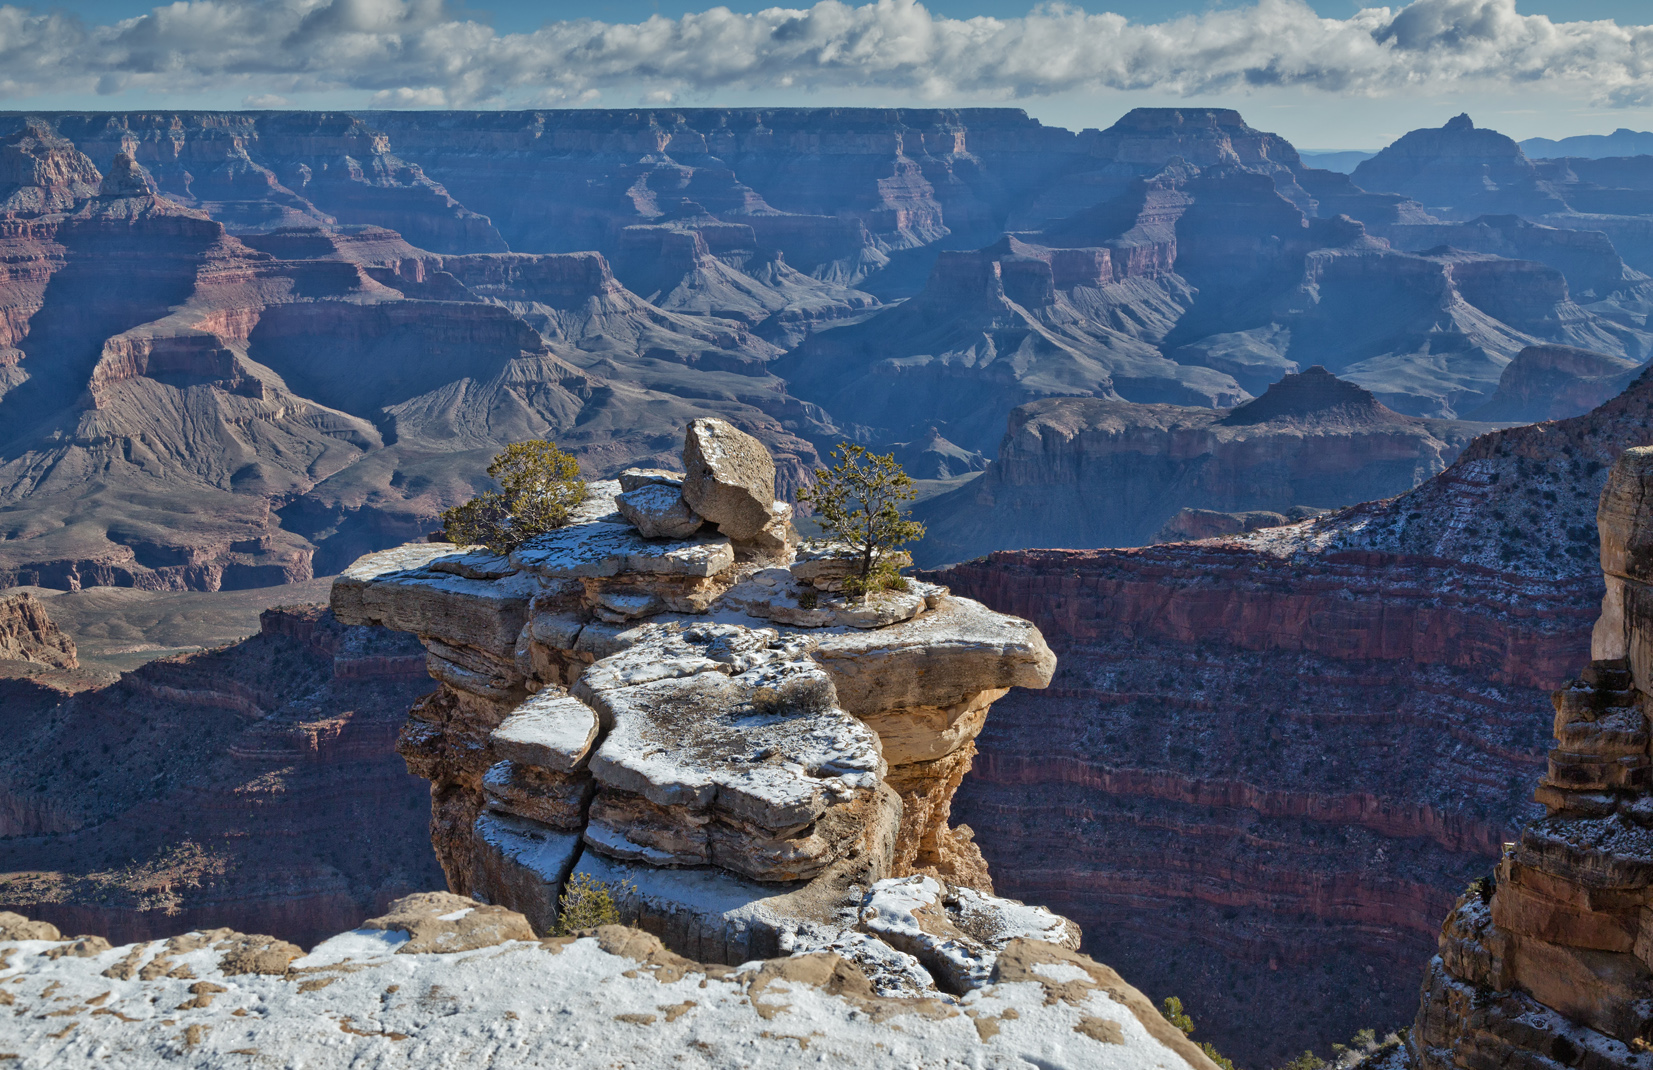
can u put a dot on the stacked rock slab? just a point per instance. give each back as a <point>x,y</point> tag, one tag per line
<point>1549,961</point>
<point>663,697</point>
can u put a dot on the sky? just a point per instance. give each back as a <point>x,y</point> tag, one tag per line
<point>1327,74</point>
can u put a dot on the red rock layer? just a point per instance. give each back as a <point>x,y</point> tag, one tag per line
<point>254,786</point>
<point>1269,763</point>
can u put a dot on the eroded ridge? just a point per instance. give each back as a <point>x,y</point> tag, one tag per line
<point>1549,961</point>
<point>669,696</point>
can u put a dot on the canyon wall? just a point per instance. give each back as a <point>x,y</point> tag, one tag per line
<point>242,349</point>
<point>1548,959</point>
<point>1082,472</point>
<point>255,786</point>
<point>1275,760</point>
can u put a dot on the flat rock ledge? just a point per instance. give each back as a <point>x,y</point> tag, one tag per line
<point>703,722</point>
<point>440,974</point>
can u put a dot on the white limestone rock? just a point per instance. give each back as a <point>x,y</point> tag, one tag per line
<point>524,865</point>
<point>730,478</point>
<point>402,589</point>
<point>602,549</point>
<point>550,731</point>
<point>956,933</point>
<point>942,657</point>
<point>632,478</point>
<point>658,511</point>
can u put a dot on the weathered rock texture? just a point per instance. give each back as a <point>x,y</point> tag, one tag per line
<point>254,786</point>
<point>421,982</point>
<point>1082,473</point>
<point>736,748</point>
<point>1269,761</point>
<point>28,634</point>
<point>1551,958</point>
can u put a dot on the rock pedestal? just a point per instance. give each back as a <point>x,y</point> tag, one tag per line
<point>1549,961</point>
<point>743,754</point>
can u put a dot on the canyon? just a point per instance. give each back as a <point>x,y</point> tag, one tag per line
<point>1294,747</point>
<point>241,349</point>
<point>254,785</point>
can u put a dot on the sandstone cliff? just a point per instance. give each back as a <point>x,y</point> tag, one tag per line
<point>1273,760</point>
<point>28,634</point>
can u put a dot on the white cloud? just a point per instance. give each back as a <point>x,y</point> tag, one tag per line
<point>409,53</point>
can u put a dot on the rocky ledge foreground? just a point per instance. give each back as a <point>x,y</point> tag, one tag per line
<point>444,981</point>
<point>667,697</point>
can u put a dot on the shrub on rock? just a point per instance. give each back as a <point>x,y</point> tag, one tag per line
<point>540,486</point>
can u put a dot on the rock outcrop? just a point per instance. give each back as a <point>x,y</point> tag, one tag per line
<point>28,634</point>
<point>1080,472</point>
<point>1549,958</point>
<point>713,730</point>
<point>1293,748</point>
<point>437,969</point>
<point>1555,382</point>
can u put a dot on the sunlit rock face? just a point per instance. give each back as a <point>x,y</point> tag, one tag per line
<point>705,722</point>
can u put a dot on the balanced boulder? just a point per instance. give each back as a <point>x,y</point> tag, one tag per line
<point>730,480</point>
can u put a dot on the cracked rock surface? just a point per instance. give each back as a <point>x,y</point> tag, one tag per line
<point>737,750</point>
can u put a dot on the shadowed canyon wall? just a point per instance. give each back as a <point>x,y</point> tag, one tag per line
<point>1269,764</point>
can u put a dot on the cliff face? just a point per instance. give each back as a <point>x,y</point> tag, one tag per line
<point>1079,472</point>
<point>1291,749</point>
<point>253,786</point>
<point>1547,957</point>
<point>28,634</point>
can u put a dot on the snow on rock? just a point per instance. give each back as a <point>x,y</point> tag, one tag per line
<point>956,933</point>
<point>730,480</point>
<point>657,510</point>
<point>747,749</point>
<point>617,997</point>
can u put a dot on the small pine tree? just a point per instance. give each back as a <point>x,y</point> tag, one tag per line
<point>587,903</point>
<point>1172,1011</point>
<point>540,486</point>
<point>859,501</point>
<point>1216,1056</point>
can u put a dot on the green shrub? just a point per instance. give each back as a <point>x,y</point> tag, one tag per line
<point>587,903</point>
<point>1172,1011</point>
<point>1306,1061</point>
<point>540,485</point>
<point>858,501</point>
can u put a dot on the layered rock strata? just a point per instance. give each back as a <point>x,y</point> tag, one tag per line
<point>27,633</point>
<point>1549,961</point>
<point>1271,760</point>
<point>1083,472</point>
<point>253,786</point>
<point>436,970</point>
<point>706,722</point>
